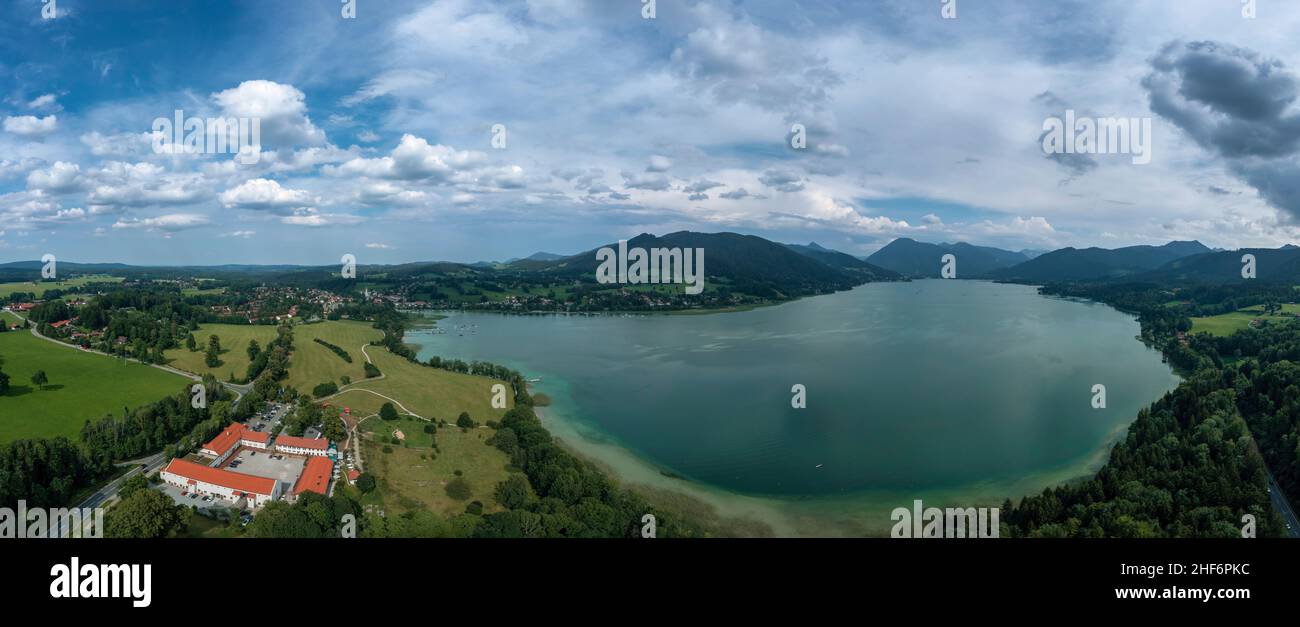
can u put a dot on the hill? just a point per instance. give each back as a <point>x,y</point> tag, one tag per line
<point>1075,264</point>
<point>1272,265</point>
<point>911,258</point>
<point>745,263</point>
<point>844,261</point>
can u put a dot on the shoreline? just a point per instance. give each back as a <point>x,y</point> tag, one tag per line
<point>863,513</point>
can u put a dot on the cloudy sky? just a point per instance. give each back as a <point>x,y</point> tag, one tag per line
<point>377,132</point>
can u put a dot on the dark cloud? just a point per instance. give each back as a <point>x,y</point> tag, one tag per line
<point>1237,104</point>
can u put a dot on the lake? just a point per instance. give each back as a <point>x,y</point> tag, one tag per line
<point>960,391</point>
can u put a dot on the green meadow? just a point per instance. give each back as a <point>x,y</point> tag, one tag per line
<point>81,386</point>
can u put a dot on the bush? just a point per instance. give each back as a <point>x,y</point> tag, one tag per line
<point>475,508</point>
<point>325,389</point>
<point>459,489</point>
<point>371,370</point>
<point>465,422</point>
<point>388,449</point>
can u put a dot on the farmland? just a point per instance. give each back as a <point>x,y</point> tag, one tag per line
<point>81,386</point>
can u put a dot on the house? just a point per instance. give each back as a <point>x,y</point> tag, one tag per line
<point>231,486</point>
<point>301,446</point>
<point>229,441</point>
<point>315,477</point>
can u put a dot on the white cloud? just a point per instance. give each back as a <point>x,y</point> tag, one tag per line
<point>265,195</point>
<point>168,223</point>
<point>31,126</point>
<point>282,110</point>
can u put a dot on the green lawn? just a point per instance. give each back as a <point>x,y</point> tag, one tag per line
<point>234,345</point>
<point>428,392</point>
<point>81,386</point>
<point>408,482</point>
<point>39,288</point>
<point>312,363</point>
<point>1229,323</point>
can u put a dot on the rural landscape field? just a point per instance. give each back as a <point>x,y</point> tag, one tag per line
<point>366,284</point>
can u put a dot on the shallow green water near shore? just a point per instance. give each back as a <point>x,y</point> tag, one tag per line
<point>958,391</point>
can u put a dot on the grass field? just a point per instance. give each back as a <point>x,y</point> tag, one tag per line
<point>39,288</point>
<point>312,363</point>
<point>234,345</point>
<point>411,428</point>
<point>428,392</point>
<point>82,386</point>
<point>1229,323</point>
<point>407,482</point>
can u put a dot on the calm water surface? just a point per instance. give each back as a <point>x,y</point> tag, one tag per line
<point>912,387</point>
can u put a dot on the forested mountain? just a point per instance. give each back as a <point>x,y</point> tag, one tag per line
<point>843,261</point>
<point>1272,265</point>
<point>747,263</point>
<point>911,258</point>
<point>1076,264</point>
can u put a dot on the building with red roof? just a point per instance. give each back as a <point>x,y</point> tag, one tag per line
<point>315,476</point>
<point>226,484</point>
<point>301,446</point>
<point>229,440</point>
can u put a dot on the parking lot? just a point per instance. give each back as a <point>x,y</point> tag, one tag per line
<point>263,464</point>
<point>268,418</point>
<point>200,501</point>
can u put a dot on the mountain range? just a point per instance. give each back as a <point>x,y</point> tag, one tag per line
<point>914,259</point>
<point>755,265</point>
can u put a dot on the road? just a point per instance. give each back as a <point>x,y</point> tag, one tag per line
<point>145,464</point>
<point>1283,507</point>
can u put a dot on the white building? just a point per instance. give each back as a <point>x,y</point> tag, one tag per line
<point>229,441</point>
<point>301,446</point>
<point>228,485</point>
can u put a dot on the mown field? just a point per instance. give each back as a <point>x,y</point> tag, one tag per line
<point>1229,323</point>
<point>428,392</point>
<point>6,289</point>
<point>234,340</point>
<point>414,478</point>
<point>81,386</point>
<point>312,363</point>
<point>412,475</point>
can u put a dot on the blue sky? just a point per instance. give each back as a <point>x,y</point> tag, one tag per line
<point>377,131</point>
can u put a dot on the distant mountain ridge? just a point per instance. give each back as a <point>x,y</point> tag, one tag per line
<point>1081,264</point>
<point>843,261</point>
<point>749,263</point>
<point>911,258</point>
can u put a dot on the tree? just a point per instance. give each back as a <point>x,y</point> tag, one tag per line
<point>365,483</point>
<point>4,382</point>
<point>513,492</point>
<point>39,379</point>
<point>213,356</point>
<point>190,343</point>
<point>253,350</point>
<point>388,412</point>
<point>144,514</point>
<point>465,422</point>
<point>458,488</point>
<point>132,485</point>
<point>333,428</point>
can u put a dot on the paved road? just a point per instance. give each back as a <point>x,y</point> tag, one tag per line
<point>145,464</point>
<point>1283,507</point>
